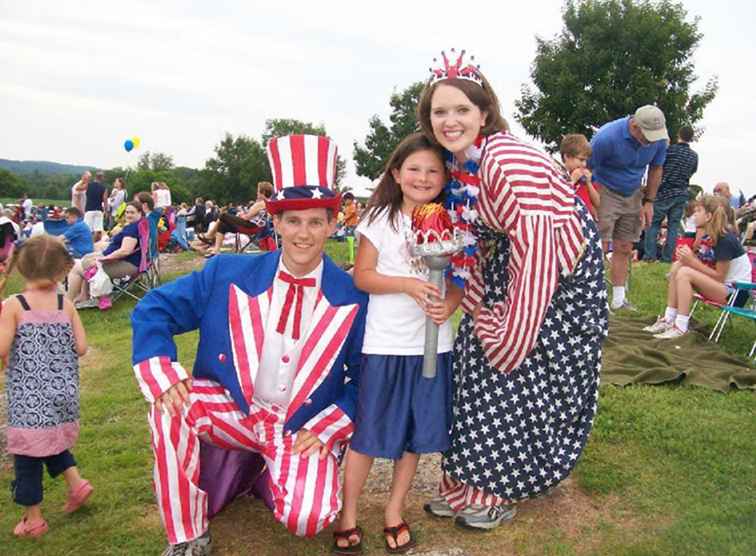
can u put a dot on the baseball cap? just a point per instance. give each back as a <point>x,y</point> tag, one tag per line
<point>652,123</point>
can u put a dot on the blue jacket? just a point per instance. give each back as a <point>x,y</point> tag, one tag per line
<point>227,301</point>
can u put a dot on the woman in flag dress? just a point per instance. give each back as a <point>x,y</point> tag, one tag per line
<point>528,351</point>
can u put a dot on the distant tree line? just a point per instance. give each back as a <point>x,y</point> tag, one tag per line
<point>231,175</point>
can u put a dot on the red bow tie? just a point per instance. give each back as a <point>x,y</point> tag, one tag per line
<point>295,289</point>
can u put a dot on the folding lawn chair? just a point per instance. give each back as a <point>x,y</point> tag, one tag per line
<point>738,302</point>
<point>263,238</point>
<point>148,273</point>
<point>743,312</point>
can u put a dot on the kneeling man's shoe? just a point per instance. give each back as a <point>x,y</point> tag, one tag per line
<point>477,516</point>
<point>196,547</point>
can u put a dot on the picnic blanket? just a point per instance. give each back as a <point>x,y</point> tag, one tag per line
<point>632,356</point>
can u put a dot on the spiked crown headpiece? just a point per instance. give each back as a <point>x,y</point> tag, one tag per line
<point>457,69</point>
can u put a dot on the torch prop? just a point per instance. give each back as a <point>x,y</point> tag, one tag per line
<point>435,240</point>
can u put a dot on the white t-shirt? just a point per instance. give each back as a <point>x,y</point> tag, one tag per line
<point>27,204</point>
<point>395,324</point>
<point>163,198</point>
<point>739,270</point>
<point>117,198</point>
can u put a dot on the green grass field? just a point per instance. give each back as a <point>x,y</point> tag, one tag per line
<point>668,470</point>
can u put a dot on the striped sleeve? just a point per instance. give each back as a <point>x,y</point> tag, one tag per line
<point>331,425</point>
<point>473,295</point>
<point>526,197</point>
<point>508,331</point>
<point>157,374</point>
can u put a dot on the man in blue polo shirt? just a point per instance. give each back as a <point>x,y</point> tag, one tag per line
<point>623,150</point>
<point>78,235</point>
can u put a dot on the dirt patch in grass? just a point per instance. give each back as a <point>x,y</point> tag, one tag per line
<point>179,263</point>
<point>569,517</point>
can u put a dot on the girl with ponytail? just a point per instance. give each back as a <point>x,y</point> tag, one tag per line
<point>41,337</point>
<point>731,264</point>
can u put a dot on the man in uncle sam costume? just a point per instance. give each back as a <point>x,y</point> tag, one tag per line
<point>277,365</point>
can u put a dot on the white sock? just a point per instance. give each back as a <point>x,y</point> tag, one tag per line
<point>681,322</point>
<point>618,296</point>
<point>670,314</point>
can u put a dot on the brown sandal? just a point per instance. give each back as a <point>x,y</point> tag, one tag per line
<point>344,535</point>
<point>393,532</point>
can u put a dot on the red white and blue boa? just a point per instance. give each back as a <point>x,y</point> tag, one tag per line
<point>461,194</point>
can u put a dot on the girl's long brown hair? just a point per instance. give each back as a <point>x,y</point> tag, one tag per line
<point>719,223</point>
<point>388,194</point>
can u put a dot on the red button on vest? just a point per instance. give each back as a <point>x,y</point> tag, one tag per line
<point>285,358</point>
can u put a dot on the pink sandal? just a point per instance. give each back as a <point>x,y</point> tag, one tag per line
<point>76,498</point>
<point>33,529</point>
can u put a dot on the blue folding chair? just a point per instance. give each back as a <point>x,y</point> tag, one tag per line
<point>745,312</point>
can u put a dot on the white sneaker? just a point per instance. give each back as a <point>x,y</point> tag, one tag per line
<point>625,305</point>
<point>88,304</point>
<point>201,546</point>
<point>661,325</point>
<point>670,333</point>
<point>477,516</point>
<point>439,507</point>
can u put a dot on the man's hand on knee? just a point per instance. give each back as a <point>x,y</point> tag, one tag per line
<point>308,444</point>
<point>172,399</point>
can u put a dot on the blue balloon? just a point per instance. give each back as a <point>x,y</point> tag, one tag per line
<point>128,145</point>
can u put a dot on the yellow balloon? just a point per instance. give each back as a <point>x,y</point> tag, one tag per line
<point>137,141</point>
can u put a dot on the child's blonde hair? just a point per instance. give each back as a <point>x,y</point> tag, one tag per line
<point>42,258</point>
<point>574,145</point>
<point>722,216</point>
<point>690,208</point>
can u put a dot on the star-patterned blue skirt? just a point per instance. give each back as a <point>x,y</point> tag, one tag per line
<point>515,435</point>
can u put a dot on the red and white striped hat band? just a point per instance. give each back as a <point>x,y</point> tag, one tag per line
<point>302,160</point>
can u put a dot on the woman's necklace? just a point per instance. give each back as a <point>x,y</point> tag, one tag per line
<point>462,191</point>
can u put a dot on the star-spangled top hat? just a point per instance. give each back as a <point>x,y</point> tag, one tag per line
<point>304,170</point>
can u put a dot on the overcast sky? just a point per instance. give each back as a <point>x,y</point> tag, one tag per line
<point>78,78</point>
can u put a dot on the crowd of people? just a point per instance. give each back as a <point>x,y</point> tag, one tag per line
<point>298,360</point>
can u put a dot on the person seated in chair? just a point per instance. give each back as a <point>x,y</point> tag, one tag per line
<point>120,258</point>
<point>254,217</point>
<point>277,367</point>
<point>77,235</point>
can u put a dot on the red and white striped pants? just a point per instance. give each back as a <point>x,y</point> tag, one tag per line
<point>459,495</point>
<point>305,489</point>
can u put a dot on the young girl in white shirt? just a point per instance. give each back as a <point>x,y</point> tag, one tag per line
<point>690,274</point>
<point>400,413</point>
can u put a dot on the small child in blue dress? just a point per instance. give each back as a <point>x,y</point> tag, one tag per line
<point>41,332</point>
<point>400,414</point>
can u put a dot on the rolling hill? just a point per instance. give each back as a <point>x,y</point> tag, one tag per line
<point>22,167</point>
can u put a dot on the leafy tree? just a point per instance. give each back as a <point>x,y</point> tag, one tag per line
<point>183,182</point>
<point>382,139</point>
<point>232,174</point>
<point>611,57</point>
<point>279,127</point>
<point>155,161</point>
<point>49,185</point>
<point>11,185</point>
